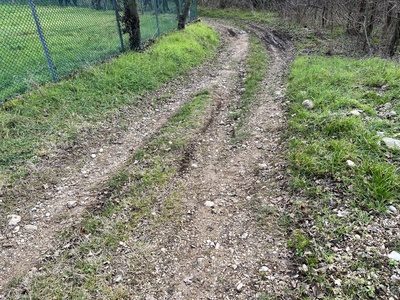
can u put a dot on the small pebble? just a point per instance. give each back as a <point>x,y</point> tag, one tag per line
<point>209,204</point>
<point>239,287</point>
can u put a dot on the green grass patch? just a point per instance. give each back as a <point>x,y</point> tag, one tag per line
<point>325,137</point>
<point>56,112</point>
<point>232,13</point>
<point>256,68</point>
<point>356,105</point>
<point>76,37</point>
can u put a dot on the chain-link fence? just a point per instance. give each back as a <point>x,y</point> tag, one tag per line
<point>44,40</point>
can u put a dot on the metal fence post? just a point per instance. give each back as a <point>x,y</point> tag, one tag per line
<point>121,40</point>
<point>156,11</point>
<point>42,39</point>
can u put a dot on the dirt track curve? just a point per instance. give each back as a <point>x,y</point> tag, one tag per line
<point>217,252</point>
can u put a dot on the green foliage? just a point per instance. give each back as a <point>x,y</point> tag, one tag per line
<point>298,241</point>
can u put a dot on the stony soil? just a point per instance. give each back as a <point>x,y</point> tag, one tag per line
<point>224,245</point>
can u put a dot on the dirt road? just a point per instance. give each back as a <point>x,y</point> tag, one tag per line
<point>227,244</point>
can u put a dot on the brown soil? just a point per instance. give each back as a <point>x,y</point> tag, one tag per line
<point>233,249</point>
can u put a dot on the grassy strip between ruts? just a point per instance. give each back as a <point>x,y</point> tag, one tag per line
<point>256,68</point>
<point>347,222</point>
<point>88,266</point>
<point>55,112</point>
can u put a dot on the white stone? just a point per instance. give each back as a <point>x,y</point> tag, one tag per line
<point>350,163</point>
<point>209,204</point>
<point>71,204</point>
<point>394,255</point>
<point>308,104</point>
<point>93,155</point>
<point>13,220</point>
<point>263,166</point>
<point>264,269</point>
<point>391,143</point>
<point>392,208</point>
<point>239,287</point>
<point>356,112</point>
<point>118,279</point>
<point>395,278</point>
<point>30,227</point>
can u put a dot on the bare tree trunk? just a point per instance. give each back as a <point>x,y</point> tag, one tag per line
<point>389,14</point>
<point>395,38</point>
<point>132,23</point>
<point>324,16</point>
<point>183,15</point>
<point>371,19</point>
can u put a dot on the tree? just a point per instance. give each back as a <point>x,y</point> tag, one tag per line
<point>132,23</point>
<point>183,14</point>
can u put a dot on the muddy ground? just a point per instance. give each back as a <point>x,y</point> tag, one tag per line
<point>219,249</point>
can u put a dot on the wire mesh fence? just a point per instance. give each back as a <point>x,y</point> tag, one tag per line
<point>44,40</point>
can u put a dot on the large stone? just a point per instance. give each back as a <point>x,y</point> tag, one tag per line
<point>13,220</point>
<point>394,255</point>
<point>308,104</point>
<point>391,143</point>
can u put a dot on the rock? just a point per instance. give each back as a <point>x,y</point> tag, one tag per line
<point>304,268</point>
<point>374,276</point>
<point>93,155</point>
<point>71,204</point>
<point>394,255</point>
<point>239,287</point>
<point>209,204</point>
<point>350,163</point>
<point>47,215</point>
<point>264,269</point>
<point>188,280</point>
<point>118,279</point>
<point>200,261</point>
<point>380,133</point>
<point>263,166</point>
<point>392,113</point>
<point>308,104</point>
<point>13,220</point>
<point>391,143</point>
<point>30,227</point>
<point>392,208</point>
<point>356,112</point>
<point>395,278</point>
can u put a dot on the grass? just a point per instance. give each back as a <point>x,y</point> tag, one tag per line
<point>329,135</point>
<point>256,68</point>
<point>340,201</point>
<point>76,37</point>
<point>55,113</point>
<point>231,13</point>
<point>133,196</point>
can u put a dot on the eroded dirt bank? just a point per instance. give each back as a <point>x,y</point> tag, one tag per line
<point>226,244</point>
